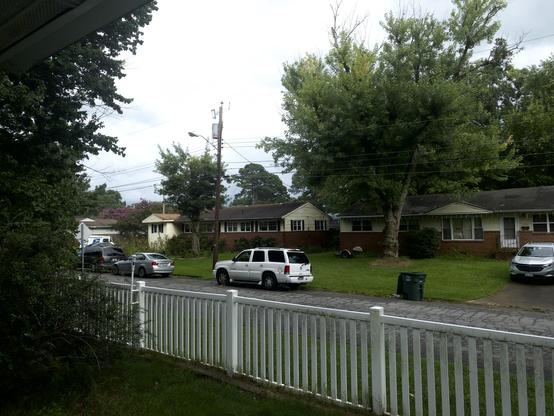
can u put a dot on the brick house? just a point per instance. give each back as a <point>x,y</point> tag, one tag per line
<point>482,223</point>
<point>290,224</point>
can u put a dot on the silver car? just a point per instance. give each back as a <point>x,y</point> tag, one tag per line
<point>146,264</point>
<point>533,261</point>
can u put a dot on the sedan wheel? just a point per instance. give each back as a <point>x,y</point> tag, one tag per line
<point>116,270</point>
<point>141,273</point>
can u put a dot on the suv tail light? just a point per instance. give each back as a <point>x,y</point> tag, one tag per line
<point>154,263</point>
<point>101,259</point>
<point>287,269</point>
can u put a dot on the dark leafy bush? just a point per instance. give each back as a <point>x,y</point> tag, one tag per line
<point>422,244</point>
<point>181,245</point>
<point>54,321</point>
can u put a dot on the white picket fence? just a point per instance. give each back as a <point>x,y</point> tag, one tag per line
<point>391,365</point>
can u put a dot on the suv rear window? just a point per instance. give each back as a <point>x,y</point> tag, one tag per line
<point>297,257</point>
<point>276,256</point>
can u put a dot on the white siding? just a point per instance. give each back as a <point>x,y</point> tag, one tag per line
<point>170,230</point>
<point>309,214</point>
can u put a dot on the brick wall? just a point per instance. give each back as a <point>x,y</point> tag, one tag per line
<point>230,239</point>
<point>300,239</point>
<point>486,247</point>
<point>373,242</point>
<point>532,237</point>
<point>290,239</point>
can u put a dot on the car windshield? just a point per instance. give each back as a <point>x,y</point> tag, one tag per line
<point>157,256</point>
<point>536,251</point>
<point>297,257</point>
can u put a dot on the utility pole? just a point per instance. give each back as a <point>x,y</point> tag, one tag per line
<point>215,257</point>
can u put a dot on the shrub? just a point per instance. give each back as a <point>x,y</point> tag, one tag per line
<point>181,245</point>
<point>423,244</point>
<point>131,245</point>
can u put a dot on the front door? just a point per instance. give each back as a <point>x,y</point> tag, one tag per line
<point>508,237</point>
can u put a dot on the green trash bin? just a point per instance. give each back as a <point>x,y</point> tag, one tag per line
<point>410,285</point>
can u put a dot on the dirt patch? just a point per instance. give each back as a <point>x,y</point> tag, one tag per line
<point>391,262</point>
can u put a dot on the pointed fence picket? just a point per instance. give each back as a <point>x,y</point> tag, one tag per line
<point>391,365</point>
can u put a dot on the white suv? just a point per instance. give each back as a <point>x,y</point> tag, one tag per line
<point>266,266</point>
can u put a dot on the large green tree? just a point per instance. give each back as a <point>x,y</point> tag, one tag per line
<point>529,124</point>
<point>258,186</point>
<point>50,120</point>
<point>370,126</point>
<point>100,198</point>
<point>189,185</point>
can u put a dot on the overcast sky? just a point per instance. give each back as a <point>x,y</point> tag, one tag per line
<point>197,54</point>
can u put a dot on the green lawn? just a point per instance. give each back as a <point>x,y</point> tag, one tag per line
<point>448,278</point>
<point>153,385</point>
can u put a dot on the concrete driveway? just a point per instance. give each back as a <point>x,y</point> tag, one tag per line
<point>535,295</point>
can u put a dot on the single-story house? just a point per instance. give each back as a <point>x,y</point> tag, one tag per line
<point>481,223</point>
<point>290,224</point>
<point>100,226</point>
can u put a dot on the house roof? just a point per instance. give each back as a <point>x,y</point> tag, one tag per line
<point>156,218</point>
<point>539,198</point>
<point>97,222</point>
<point>239,212</point>
<point>254,212</point>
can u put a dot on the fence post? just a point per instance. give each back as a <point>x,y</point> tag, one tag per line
<point>231,309</point>
<point>141,311</point>
<point>378,376</point>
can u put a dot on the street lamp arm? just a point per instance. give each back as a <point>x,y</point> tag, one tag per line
<point>192,134</point>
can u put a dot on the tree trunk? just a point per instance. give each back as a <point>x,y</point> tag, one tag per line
<point>390,232</point>
<point>196,238</point>
<point>392,211</point>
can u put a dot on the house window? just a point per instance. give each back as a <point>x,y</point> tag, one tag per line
<point>157,228</point>
<point>186,228</point>
<point>246,227</point>
<point>462,228</point>
<point>231,227</point>
<point>408,224</point>
<point>297,225</point>
<point>207,227</point>
<point>361,224</point>
<point>320,225</point>
<point>543,223</point>
<point>267,226</point>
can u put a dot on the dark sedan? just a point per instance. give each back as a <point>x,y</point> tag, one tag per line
<point>146,264</point>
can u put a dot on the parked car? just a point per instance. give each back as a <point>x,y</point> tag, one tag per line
<point>101,257</point>
<point>266,266</point>
<point>533,261</point>
<point>146,264</point>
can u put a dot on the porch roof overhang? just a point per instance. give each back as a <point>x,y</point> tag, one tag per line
<point>32,30</point>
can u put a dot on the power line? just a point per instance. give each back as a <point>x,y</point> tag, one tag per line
<point>356,169</point>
